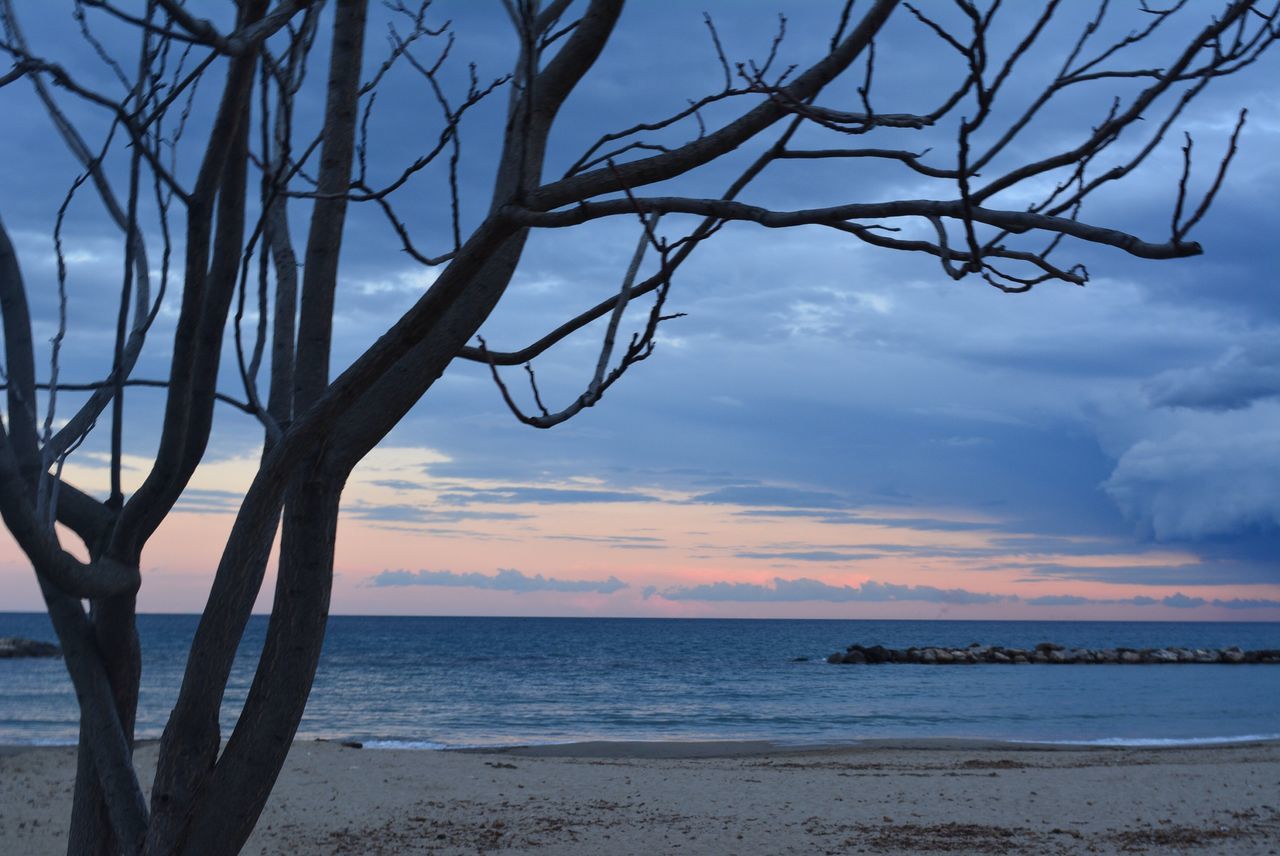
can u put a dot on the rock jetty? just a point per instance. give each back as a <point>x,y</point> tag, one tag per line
<point>1047,653</point>
<point>15,646</point>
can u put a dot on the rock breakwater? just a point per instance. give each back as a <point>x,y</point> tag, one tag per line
<point>1049,653</point>
<point>15,646</point>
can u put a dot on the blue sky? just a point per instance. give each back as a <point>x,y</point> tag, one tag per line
<point>863,430</point>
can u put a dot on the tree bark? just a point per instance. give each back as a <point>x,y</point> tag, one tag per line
<point>174,787</point>
<point>19,356</point>
<point>102,732</point>
<point>116,635</point>
<point>211,268</point>
<point>193,791</point>
<point>237,790</point>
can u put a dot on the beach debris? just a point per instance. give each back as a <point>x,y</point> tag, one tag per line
<point>1049,653</point>
<point>15,646</point>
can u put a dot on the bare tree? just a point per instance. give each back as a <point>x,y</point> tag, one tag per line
<point>238,262</point>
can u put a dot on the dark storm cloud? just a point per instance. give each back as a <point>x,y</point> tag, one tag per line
<point>505,579</point>
<point>1212,474</point>
<point>803,589</point>
<point>1237,379</point>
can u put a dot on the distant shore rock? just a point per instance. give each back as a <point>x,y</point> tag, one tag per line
<point>12,647</point>
<point>1049,653</point>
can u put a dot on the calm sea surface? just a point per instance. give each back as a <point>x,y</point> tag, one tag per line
<point>435,682</point>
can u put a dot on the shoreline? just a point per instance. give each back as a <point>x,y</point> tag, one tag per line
<point>698,747</point>
<point>886,797</point>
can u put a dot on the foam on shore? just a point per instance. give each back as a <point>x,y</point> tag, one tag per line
<point>704,748</point>
<point>1158,741</point>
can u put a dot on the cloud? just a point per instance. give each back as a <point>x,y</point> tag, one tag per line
<point>1077,600</point>
<point>930,523</point>
<point>1214,477</point>
<point>1247,603</point>
<point>1178,600</point>
<point>398,484</point>
<point>963,442</point>
<point>1213,573</point>
<point>812,556</point>
<point>616,542</point>
<point>774,497</point>
<point>864,374</point>
<point>804,589</point>
<point>505,579</point>
<point>1059,600</point>
<point>542,495</point>
<point>1035,544</point>
<point>195,500</point>
<point>412,281</point>
<point>1236,380</point>
<point>851,518</point>
<point>392,513</point>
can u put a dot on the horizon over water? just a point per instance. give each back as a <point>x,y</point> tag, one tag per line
<point>446,682</point>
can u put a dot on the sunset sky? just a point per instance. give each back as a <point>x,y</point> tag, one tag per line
<point>832,430</point>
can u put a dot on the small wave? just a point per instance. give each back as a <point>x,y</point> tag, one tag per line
<point>404,744</point>
<point>431,745</point>
<point>1157,741</point>
<point>38,741</point>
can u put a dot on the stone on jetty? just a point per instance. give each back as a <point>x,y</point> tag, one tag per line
<point>1049,653</point>
<point>12,647</point>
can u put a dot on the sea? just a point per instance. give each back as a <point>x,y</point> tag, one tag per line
<point>442,682</point>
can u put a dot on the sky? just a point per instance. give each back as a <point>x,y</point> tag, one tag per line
<point>831,430</point>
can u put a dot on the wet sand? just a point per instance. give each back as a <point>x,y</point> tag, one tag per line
<point>714,798</point>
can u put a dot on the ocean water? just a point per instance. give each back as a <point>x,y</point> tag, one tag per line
<point>452,682</point>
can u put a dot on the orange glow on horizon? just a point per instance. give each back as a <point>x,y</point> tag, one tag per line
<point>670,544</point>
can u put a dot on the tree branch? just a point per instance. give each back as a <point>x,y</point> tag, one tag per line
<point>705,149</point>
<point>1012,221</point>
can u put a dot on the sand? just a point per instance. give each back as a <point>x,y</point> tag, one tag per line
<point>644,798</point>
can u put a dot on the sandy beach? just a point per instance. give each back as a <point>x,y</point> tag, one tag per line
<point>619,798</point>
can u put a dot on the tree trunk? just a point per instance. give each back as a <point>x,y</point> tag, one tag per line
<point>102,732</point>
<point>197,804</point>
<point>116,636</point>
<point>237,791</point>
